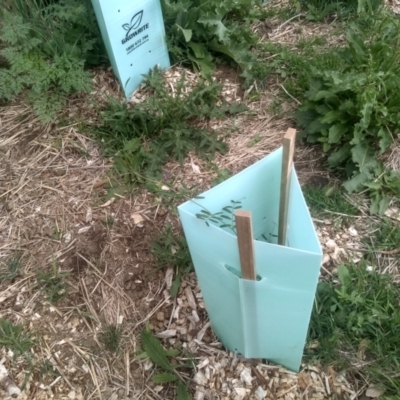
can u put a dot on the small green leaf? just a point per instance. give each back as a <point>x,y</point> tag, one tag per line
<point>386,139</point>
<point>172,352</point>
<point>155,351</point>
<point>176,284</point>
<point>164,378</point>
<point>336,132</point>
<point>187,33</point>
<point>141,356</point>
<point>344,276</point>
<point>182,393</point>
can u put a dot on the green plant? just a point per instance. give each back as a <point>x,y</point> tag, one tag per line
<point>353,110</point>
<point>197,30</point>
<point>318,10</point>
<point>358,322</point>
<point>111,337</point>
<point>141,138</point>
<point>46,47</point>
<point>14,338</point>
<point>159,356</point>
<point>323,199</point>
<point>10,270</point>
<point>172,250</point>
<point>386,237</point>
<point>293,67</point>
<point>52,283</point>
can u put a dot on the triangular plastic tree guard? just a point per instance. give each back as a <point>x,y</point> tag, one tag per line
<point>267,318</point>
<point>134,36</point>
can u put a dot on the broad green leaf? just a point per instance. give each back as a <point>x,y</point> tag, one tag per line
<point>325,94</point>
<point>216,23</point>
<point>164,378</point>
<point>182,393</point>
<point>383,204</point>
<point>187,33</point>
<point>386,138</point>
<point>172,352</point>
<point>331,116</point>
<point>373,185</point>
<point>338,157</point>
<point>344,276</point>
<point>336,132</point>
<point>356,183</point>
<point>142,356</point>
<point>176,284</point>
<point>155,351</point>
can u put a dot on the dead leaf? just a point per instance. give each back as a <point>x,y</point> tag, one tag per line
<point>137,218</point>
<point>374,392</point>
<point>107,203</point>
<point>195,168</point>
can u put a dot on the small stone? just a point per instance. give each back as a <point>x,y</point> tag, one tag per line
<point>352,231</point>
<point>160,316</point>
<point>72,395</point>
<point>330,244</point>
<point>260,393</point>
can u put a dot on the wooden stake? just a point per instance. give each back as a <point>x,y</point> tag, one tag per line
<point>245,241</point>
<point>287,162</point>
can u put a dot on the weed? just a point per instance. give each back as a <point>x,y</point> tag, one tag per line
<point>292,67</point>
<point>52,283</point>
<point>111,337</point>
<point>358,322</point>
<point>47,368</point>
<point>155,351</point>
<point>196,31</point>
<point>10,269</point>
<point>386,237</point>
<point>318,10</point>
<point>222,175</point>
<point>171,250</point>
<point>143,137</point>
<point>46,47</point>
<point>13,338</point>
<point>352,110</point>
<point>323,200</point>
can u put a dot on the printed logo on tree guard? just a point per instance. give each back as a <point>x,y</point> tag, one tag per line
<point>133,28</point>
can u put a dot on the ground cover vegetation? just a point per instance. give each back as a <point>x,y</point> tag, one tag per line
<point>347,102</point>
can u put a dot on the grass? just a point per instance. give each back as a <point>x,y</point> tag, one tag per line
<point>355,326</point>
<point>111,337</point>
<point>52,283</point>
<point>323,200</point>
<point>385,237</point>
<point>292,66</point>
<point>14,338</point>
<point>10,269</point>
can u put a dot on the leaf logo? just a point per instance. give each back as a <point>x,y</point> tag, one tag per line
<point>135,23</point>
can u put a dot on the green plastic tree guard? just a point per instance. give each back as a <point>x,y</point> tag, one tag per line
<point>267,318</point>
<point>134,36</point>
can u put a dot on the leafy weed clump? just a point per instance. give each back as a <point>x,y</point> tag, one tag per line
<point>52,283</point>
<point>170,250</point>
<point>46,48</point>
<point>353,110</point>
<point>111,337</point>
<point>198,30</point>
<point>142,137</point>
<point>161,358</point>
<point>356,323</point>
<point>318,10</point>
